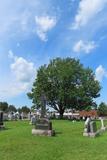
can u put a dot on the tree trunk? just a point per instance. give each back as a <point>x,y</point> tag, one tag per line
<point>61,116</point>
<point>61,112</point>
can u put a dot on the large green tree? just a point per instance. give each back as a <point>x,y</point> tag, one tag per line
<point>66,84</point>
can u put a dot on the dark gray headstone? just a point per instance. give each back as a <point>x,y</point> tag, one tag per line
<point>43,124</point>
<point>93,127</point>
<point>90,128</point>
<point>1,118</point>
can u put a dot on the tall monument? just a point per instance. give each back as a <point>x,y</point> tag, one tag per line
<point>43,126</point>
<point>43,105</point>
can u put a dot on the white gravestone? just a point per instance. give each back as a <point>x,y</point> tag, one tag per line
<point>87,127</point>
<point>33,120</point>
<point>102,124</point>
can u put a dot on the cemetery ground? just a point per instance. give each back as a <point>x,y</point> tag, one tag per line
<point>17,143</point>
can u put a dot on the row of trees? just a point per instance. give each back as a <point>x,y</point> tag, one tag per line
<point>102,108</point>
<point>4,106</point>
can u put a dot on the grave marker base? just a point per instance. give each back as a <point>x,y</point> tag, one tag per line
<point>43,127</point>
<point>40,132</point>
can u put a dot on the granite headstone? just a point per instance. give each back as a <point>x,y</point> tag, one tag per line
<point>90,128</point>
<point>43,126</point>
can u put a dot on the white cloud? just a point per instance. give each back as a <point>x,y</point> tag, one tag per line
<point>100,73</point>
<point>18,21</point>
<point>13,89</point>
<point>22,75</point>
<point>22,69</point>
<point>43,25</point>
<point>86,11</point>
<point>82,46</point>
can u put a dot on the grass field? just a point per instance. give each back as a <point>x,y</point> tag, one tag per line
<point>17,143</point>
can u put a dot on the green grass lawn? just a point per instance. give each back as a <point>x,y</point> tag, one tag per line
<point>17,143</point>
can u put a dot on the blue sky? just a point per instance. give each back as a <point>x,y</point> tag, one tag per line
<point>33,32</point>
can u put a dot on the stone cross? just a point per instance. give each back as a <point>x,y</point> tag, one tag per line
<point>43,105</point>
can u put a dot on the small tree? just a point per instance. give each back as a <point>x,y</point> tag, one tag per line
<point>19,110</point>
<point>4,106</point>
<point>12,108</point>
<point>102,109</point>
<point>25,109</point>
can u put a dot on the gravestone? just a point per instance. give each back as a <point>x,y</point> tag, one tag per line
<point>90,129</point>
<point>1,120</point>
<point>87,127</point>
<point>33,120</point>
<point>11,116</point>
<point>22,115</point>
<point>16,116</point>
<point>102,124</point>
<point>43,126</point>
<point>93,129</point>
<point>29,116</point>
<point>5,116</point>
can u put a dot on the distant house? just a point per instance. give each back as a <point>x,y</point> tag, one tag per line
<point>91,113</point>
